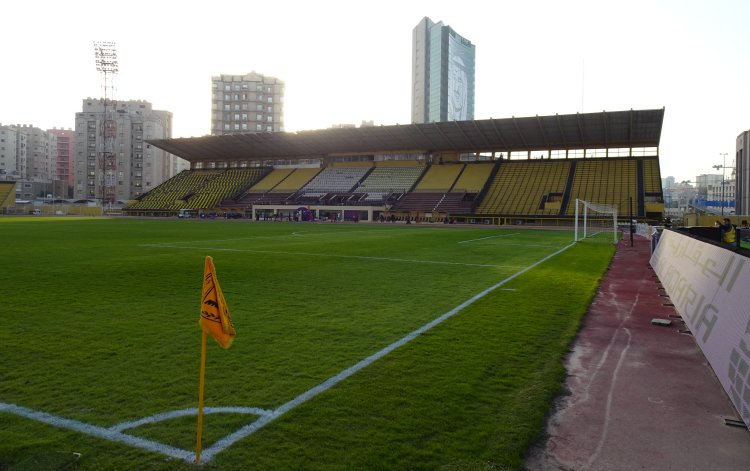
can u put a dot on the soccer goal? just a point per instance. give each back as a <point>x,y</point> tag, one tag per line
<point>593,219</point>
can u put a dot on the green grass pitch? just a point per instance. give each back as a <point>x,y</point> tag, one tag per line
<point>100,325</point>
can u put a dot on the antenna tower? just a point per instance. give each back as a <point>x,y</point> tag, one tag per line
<point>105,55</point>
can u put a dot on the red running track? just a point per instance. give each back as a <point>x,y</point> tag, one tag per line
<point>639,396</point>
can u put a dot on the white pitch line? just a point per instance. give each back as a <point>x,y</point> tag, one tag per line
<point>251,428</point>
<point>96,431</point>
<point>313,254</point>
<point>186,413</point>
<point>488,237</point>
<point>114,433</point>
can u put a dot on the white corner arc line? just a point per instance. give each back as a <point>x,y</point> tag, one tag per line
<point>186,413</point>
<point>251,428</point>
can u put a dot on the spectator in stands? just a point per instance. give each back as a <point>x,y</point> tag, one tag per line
<point>727,231</point>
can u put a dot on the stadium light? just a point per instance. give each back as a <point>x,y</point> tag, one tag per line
<point>105,55</point>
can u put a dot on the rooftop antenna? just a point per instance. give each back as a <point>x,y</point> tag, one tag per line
<point>105,55</point>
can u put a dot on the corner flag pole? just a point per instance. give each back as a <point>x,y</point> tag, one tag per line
<point>200,398</point>
<point>216,322</point>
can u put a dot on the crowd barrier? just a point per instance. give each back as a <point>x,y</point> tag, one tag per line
<point>708,285</point>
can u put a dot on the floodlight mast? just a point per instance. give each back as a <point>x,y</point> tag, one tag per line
<point>105,55</point>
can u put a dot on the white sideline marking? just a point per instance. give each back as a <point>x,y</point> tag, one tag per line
<point>488,237</point>
<point>115,434</point>
<point>312,254</point>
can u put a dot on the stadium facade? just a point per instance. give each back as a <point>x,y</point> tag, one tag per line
<point>113,160</point>
<point>494,170</point>
<point>249,103</point>
<point>442,74</point>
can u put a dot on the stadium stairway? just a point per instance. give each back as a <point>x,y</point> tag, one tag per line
<point>638,396</point>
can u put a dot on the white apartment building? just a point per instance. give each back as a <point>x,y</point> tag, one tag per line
<point>249,103</point>
<point>113,161</point>
<point>27,153</point>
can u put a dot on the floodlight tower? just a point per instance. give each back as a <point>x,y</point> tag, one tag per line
<point>105,55</point>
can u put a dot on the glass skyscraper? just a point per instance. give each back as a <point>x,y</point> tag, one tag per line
<point>442,74</point>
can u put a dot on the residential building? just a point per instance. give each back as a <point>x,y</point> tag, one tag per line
<point>12,152</point>
<point>66,140</point>
<point>28,155</point>
<point>113,161</point>
<point>249,103</point>
<point>742,173</point>
<point>443,65</point>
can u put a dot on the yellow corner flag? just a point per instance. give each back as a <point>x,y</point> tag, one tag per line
<point>215,319</point>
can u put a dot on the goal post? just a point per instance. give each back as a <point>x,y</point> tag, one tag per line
<point>590,216</point>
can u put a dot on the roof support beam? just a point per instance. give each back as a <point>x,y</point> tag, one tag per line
<point>499,135</point>
<point>481,134</point>
<point>541,131</point>
<point>520,134</point>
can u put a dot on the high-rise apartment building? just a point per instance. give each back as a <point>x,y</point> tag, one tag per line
<point>442,74</point>
<point>27,153</point>
<point>742,172</point>
<point>113,162</point>
<point>248,103</point>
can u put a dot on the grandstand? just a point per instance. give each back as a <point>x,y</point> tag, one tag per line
<point>195,189</point>
<point>7,194</point>
<point>488,171</point>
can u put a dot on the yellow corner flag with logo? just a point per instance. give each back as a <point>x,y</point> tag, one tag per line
<point>215,319</point>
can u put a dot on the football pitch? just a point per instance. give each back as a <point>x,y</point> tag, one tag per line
<point>359,346</point>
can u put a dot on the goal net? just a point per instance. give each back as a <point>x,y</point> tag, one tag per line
<point>593,219</point>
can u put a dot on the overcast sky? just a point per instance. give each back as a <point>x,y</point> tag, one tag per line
<point>349,61</point>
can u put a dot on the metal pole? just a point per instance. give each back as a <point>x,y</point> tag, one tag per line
<point>630,210</point>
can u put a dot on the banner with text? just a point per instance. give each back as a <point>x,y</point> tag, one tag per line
<point>710,288</point>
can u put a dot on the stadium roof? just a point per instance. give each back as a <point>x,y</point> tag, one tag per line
<point>633,128</point>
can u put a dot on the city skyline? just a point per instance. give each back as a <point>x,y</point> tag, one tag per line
<point>538,58</point>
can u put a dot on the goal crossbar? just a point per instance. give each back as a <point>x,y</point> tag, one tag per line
<point>582,220</point>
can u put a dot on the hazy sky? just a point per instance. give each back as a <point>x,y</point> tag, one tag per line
<point>349,61</point>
